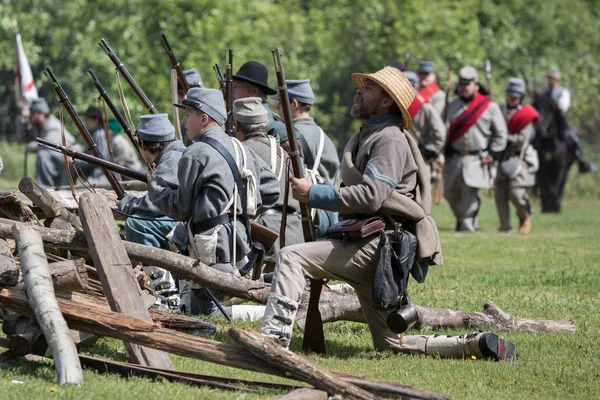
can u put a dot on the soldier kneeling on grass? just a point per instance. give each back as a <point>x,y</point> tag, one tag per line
<point>384,183</point>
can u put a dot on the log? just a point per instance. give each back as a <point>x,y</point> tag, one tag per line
<point>46,202</point>
<point>67,276</point>
<point>107,323</point>
<point>9,272</point>
<point>13,208</point>
<point>116,272</point>
<point>41,296</point>
<point>295,365</point>
<point>303,394</point>
<point>333,306</point>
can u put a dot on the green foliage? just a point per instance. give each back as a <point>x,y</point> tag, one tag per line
<point>552,273</point>
<point>325,41</point>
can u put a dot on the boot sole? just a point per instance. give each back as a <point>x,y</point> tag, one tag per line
<point>497,348</point>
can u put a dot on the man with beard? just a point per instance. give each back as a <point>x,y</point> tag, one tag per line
<point>520,161</point>
<point>428,89</point>
<point>50,167</point>
<point>476,139</point>
<point>380,171</point>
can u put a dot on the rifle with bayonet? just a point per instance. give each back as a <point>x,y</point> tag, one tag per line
<point>100,162</point>
<point>488,75</point>
<point>117,114</point>
<point>132,83</point>
<point>314,339</point>
<point>406,58</point>
<point>83,130</point>
<point>175,64</point>
<point>229,95</point>
<point>439,182</point>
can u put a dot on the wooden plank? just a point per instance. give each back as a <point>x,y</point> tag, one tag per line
<point>40,292</point>
<point>116,272</point>
<point>107,323</point>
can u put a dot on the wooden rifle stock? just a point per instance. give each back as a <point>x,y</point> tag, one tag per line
<point>83,130</point>
<point>115,111</point>
<point>132,83</point>
<point>314,338</point>
<point>175,63</point>
<point>229,95</point>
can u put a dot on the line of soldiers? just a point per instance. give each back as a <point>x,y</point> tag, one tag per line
<point>201,199</point>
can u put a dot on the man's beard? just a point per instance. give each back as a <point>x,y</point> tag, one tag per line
<point>360,110</point>
<point>467,99</point>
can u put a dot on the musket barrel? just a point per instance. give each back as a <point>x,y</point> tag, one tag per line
<point>83,130</point>
<point>132,83</point>
<point>175,64</point>
<point>307,227</point>
<point>137,175</point>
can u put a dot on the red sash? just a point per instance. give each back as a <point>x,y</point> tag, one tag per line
<point>461,125</point>
<point>429,91</point>
<point>415,107</point>
<point>521,118</point>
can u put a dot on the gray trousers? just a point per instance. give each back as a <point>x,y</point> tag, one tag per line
<point>464,200</point>
<point>352,262</point>
<point>504,194</point>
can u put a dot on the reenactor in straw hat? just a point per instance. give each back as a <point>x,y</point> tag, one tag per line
<point>207,198</point>
<point>476,139</point>
<point>50,167</point>
<point>516,171</point>
<point>428,128</point>
<point>251,126</point>
<point>319,153</point>
<point>380,171</point>
<point>429,90</point>
<point>146,223</point>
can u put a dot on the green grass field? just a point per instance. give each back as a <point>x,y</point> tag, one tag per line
<point>552,273</point>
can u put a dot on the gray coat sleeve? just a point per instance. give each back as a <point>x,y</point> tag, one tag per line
<point>435,138</point>
<point>516,140</point>
<point>497,142</point>
<point>177,203</point>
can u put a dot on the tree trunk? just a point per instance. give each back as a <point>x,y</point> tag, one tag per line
<point>107,323</point>
<point>116,272</point>
<point>41,296</point>
<point>296,366</point>
<point>13,208</point>
<point>46,202</point>
<point>333,306</point>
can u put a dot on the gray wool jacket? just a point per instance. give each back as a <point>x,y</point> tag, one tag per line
<point>330,163</point>
<point>166,167</point>
<point>206,186</point>
<point>261,145</point>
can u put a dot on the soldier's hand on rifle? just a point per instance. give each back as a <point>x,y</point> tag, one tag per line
<point>300,188</point>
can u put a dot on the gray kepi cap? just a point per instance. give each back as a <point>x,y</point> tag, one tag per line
<point>300,90</point>
<point>467,75</point>
<point>425,67</point>
<point>250,111</point>
<point>412,77</point>
<point>193,78</point>
<point>553,73</point>
<point>155,128</point>
<point>209,101</point>
<point>39,105</point>
<point>516,87</point>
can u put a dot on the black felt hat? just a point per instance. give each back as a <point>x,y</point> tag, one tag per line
<point>93,112</point>
<point>256,74</point>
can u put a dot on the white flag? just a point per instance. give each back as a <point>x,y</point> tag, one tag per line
<point>25,90</point>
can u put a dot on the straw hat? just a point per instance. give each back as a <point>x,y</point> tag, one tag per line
<point>393,81</point>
